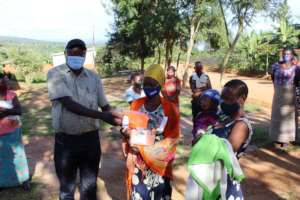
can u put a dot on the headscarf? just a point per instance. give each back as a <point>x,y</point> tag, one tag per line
<point>156,72</point>
<point>214,95</point>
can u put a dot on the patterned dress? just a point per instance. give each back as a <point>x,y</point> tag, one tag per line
<point>234,191</point>
<point>148,185</point>
<point>13,162</point>
<point>283,125</point>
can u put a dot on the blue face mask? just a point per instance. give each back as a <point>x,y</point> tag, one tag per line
<point>75,62</point>
<point>230,109</point>
<point>287,58</point>
<point>151,92</point>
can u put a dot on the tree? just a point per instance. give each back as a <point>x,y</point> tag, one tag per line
<point>243,13</point>
<point>132,29</point>
<point>27,62</point>
<point>201,21</point>
<point>167,26</point>
<point>3,54</point>
<point>192,12</point>
<point>287,34</point>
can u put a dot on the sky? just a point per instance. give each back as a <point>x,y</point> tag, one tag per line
<point>62,20</point>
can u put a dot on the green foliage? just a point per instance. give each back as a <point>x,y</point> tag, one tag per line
<point>28,62</point>
<point>287,34</point>
<point>28,56</point>
<point>185,106</point>
<point>132,30</point>
<point>254,53</point>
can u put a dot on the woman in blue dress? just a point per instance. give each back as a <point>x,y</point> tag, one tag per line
<point>13,163</point>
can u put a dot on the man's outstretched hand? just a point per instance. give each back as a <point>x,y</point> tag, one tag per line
<point>112,118</point>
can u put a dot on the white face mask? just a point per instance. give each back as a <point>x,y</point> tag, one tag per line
<point>75,62</point>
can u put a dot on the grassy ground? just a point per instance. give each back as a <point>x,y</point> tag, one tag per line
<point>37,191</point>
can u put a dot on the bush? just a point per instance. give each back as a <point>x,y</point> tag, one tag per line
<point>39,77</point>
<point>27,62</point>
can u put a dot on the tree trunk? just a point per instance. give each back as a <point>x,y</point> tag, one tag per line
<point>167,53</point>
<point>159,55</point>
<point>178,59</point>
<point>142,64</point>
<point>267,64</point>
<point>171,54</point>
<point>193,31</point>
<point>230,50</point>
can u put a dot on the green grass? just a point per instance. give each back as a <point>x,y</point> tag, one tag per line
<point>249,107</point>
<point>35,121</point>
<point>37,191</point>
<point>185,106</point>
<point>260,137</point>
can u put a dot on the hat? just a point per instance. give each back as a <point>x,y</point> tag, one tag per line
<point>156,72</point>
<point>76,43</point>
<point>214,95</point>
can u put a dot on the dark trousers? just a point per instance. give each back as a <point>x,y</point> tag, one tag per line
<point>73,153</point>
<point>196,107</point>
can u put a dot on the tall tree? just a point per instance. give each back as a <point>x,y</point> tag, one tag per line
<point>240,13</point>
<point>132,29</point>
<point>201,19</point>
<point>191,10</point>
<point>287,34</point>
<point>167,23</point>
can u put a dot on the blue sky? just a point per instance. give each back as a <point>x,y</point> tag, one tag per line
<point>61,20</point>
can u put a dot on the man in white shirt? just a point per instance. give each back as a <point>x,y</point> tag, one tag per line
<point>199,82</point>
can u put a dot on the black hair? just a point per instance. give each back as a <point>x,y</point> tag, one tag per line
<point>291,49</point>
<point>2,75</point>
<point>238,87</point>
<point>198,62</point>
<point>76,43</point>
<point>135,74</point>
<point>172,68</point>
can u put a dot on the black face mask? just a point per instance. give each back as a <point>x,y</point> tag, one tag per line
<point>230,109</point>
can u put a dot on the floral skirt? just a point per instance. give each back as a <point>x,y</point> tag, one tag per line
<point>13,162</point>
<point>150,186</point>
<point>234,190</point>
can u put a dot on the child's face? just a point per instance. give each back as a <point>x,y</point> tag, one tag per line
<point>205,103</point>
<point>170,73</point>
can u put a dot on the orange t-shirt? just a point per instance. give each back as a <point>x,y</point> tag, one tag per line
<point>170,88</point>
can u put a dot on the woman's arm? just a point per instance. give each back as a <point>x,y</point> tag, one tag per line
<point>238,135</point>
<point>16,110</point>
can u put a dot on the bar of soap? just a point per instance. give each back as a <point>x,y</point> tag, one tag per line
<point>141,137</point>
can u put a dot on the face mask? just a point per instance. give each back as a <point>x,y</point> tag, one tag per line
<point>230,109</point>
<point>287,58</point>
<point>152,92</point>
<point>75,62</point>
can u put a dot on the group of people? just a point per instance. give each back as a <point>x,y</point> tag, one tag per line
<point>77,95</point>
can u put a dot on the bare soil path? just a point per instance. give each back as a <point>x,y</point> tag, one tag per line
<point>271,174</point>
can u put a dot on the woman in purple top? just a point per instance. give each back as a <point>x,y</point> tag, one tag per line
<point>283,119</point>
